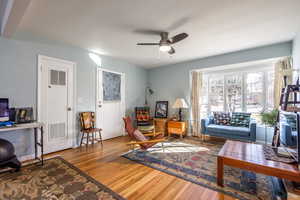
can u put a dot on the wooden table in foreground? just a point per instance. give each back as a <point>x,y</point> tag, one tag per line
<point>250,156</point>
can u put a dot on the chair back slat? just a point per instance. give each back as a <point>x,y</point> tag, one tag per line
<point>87,120</point>
<point>142,115</point>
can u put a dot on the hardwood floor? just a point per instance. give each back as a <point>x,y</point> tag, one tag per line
<point>132,180</point>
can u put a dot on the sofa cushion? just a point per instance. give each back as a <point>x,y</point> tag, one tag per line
<point>222,118</point>
<point>240,119</point>
<point>146,128</point>
<point>228,130</point>
<point>128,126</point>
<point>139,136</point>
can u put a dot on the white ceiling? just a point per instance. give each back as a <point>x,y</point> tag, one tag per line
<point>113,27</point>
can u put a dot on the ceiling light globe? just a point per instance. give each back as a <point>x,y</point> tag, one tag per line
<point>164,47</point>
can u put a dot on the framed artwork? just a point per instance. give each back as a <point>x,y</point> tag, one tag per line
<point>24,115</point>
<point>111,86</point>
<point>161,109</point>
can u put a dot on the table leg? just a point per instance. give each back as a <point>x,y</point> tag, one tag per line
<point>42,144</point>
<point>35,143</point>
<point>220,171</point>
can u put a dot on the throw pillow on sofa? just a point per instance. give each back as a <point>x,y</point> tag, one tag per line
<point>240,119</point>
<point>222,118</point>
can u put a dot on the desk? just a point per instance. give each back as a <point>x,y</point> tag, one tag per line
<point>250,156</point>
<point>35,126</point>
<point>177,127</point>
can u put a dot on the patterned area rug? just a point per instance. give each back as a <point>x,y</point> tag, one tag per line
<point>196,161</point>
<point>57,179</point>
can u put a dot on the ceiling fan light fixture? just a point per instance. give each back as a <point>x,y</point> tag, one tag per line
<point>165,47</point>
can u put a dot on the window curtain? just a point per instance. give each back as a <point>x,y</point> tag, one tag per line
<point>283,68</point>
<point>196,102</point>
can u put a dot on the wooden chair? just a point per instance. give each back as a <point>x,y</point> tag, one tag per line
<point>144,122</point>
<point>139,139</point>
<point>87,123</point>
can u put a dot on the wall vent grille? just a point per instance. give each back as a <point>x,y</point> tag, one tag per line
<point>57,130</point>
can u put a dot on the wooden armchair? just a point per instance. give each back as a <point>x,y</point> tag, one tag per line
<point>139,139</point>
<point>144,121</point>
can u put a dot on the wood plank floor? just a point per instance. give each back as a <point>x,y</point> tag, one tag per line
<point>132,180</point>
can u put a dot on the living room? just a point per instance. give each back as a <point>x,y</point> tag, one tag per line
<point>207,91</point>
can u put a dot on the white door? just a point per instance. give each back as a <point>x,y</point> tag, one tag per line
<point>56,103</point>
<point>110,103</point>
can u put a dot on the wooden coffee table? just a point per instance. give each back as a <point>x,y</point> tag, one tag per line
<point>250,156</point>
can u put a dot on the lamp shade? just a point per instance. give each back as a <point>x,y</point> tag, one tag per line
<point>180,103</point>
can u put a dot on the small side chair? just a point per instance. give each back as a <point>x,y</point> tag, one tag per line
<point>87,123</point>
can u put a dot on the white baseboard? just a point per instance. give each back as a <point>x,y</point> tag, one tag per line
<point>32,156</point>
<point>27,157</point>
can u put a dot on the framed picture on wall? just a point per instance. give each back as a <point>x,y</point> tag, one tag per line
<point>161,109</point>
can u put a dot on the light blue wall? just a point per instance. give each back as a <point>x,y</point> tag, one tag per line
<point>296,51</point>
<point>18,80</point>
<point>172,81</point>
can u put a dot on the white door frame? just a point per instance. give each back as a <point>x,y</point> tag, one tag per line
<point>123,91</point>
<point>39,89</point>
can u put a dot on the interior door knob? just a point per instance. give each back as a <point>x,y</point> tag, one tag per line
<point>69,108</point>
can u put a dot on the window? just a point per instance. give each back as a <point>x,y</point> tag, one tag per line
<point>254,92</point>
<point>270,90</point>
<point>233,93</point>
<point>239,90</point>
<point>216,93</point>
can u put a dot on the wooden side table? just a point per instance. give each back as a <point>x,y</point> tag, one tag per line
<point>177,127</point>
<point>161,125</point>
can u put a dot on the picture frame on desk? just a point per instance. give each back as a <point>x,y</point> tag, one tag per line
<point>24,115</point>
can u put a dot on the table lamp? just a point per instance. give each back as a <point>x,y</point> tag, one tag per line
<point>180,103</point>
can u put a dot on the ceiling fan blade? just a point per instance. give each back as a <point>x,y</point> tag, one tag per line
<point>179,37</point>
<point>172,51</point>
<point>147,44</point>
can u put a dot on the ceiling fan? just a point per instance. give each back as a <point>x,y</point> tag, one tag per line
<point>165,44</point>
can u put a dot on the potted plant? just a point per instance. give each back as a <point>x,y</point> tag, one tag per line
<point>269,118</point>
